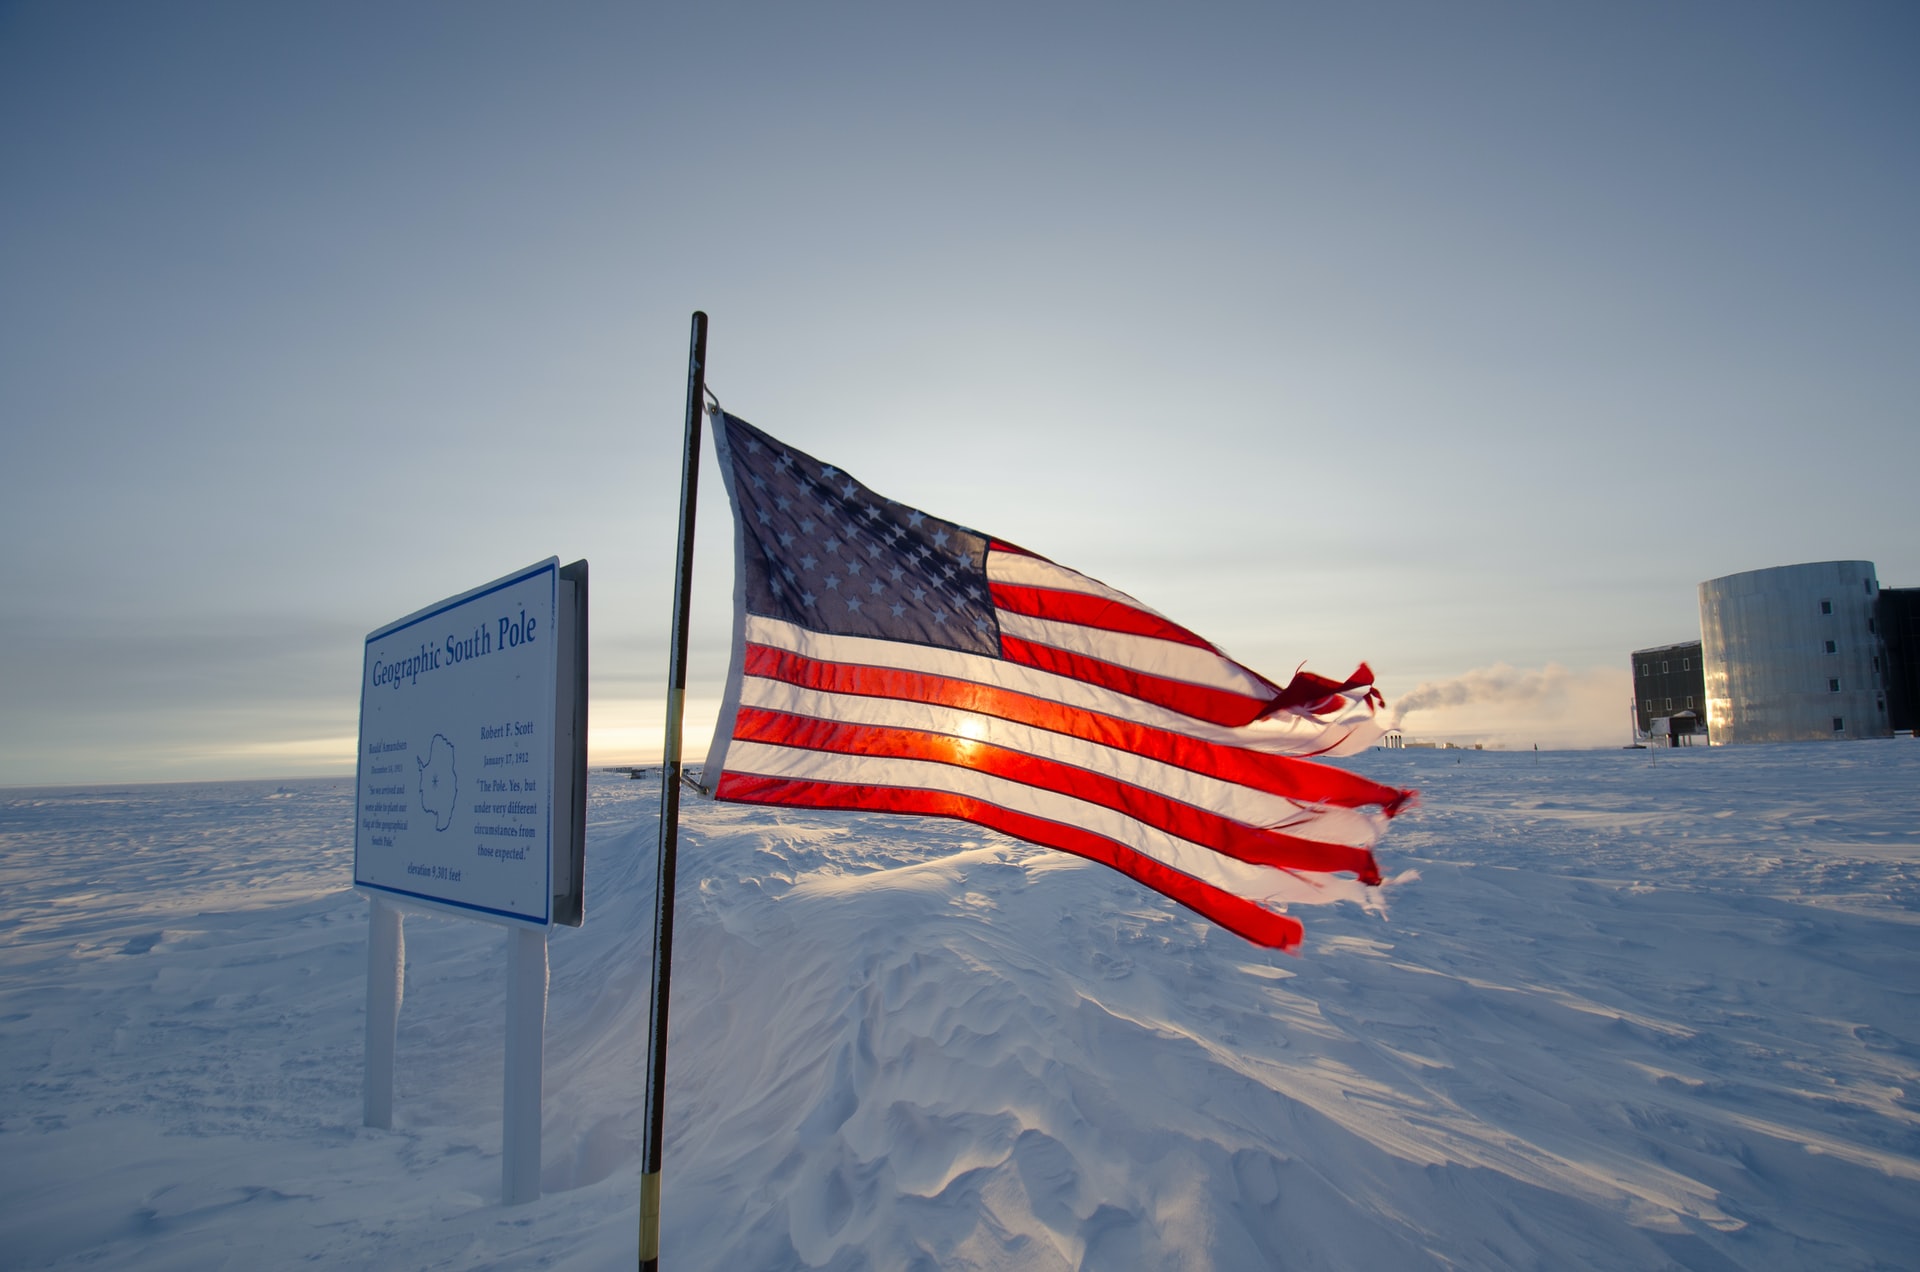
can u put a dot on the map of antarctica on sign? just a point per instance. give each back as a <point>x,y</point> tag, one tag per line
<point>457,706</point>
<point>439,783</point>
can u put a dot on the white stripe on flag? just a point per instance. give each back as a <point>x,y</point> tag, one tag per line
<point>1027,571</point>
<point>1149,654</point>
<point>1263,884</point>
<point>1282,734</point>
<point>1243,804</point>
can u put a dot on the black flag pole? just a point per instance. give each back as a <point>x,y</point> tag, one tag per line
<point>670,806</point>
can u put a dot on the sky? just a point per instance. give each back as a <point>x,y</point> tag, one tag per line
<point>1463,339</point>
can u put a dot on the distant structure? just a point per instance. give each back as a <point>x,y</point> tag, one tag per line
<point>1670,694</point>
<point>1899,617</point>
<point>1793,654</point>
<point>1395,740</point>
<point>1788,654</point>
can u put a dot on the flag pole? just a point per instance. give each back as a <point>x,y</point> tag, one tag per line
<point>670,806</point>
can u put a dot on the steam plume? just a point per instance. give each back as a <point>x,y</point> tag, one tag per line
<point>1499,683</point>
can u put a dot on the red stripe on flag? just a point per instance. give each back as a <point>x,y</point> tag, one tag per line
<point>1086,610</point>
<point>1317,695</point>
<point>1236,914</point>
<point>1202,702</point>
<point>1285,776</point>
<point>1185,821</point>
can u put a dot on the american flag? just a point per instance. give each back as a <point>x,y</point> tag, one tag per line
<point>891,661</point>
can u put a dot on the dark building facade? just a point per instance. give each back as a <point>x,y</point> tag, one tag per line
<point>1670,684</point>
<point>1788,653</point>
<point>1898,618</point>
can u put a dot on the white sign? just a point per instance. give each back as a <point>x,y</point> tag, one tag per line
<point>458,762</point>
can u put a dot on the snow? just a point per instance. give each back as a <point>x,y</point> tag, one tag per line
<point>1637,1010</point>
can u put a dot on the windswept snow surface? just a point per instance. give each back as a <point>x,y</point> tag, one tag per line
<point>1637,1011</point>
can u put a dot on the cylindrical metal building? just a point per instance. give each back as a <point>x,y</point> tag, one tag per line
<point>1792,654</point>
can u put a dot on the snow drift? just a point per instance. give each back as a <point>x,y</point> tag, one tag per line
<point>1637,1011</point>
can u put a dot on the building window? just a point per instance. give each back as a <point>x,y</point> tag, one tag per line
<point>1669,704</point>
<point>1649,706</point>
<point>1868,584</point>
<point>1646,668</point>
<point>1689,702</point>
<point>1876,666</point>
<point>1839,723</point>
<point>1826,607</point>
<point>1832,648</point>
<point>1686,664</point>
<point>1833,686</point>
<point>1872,628</point>
<point>1663,668</point>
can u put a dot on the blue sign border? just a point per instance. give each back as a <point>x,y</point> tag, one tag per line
<point>550,567</point>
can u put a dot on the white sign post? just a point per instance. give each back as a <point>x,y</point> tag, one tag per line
<point>472,802</point>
